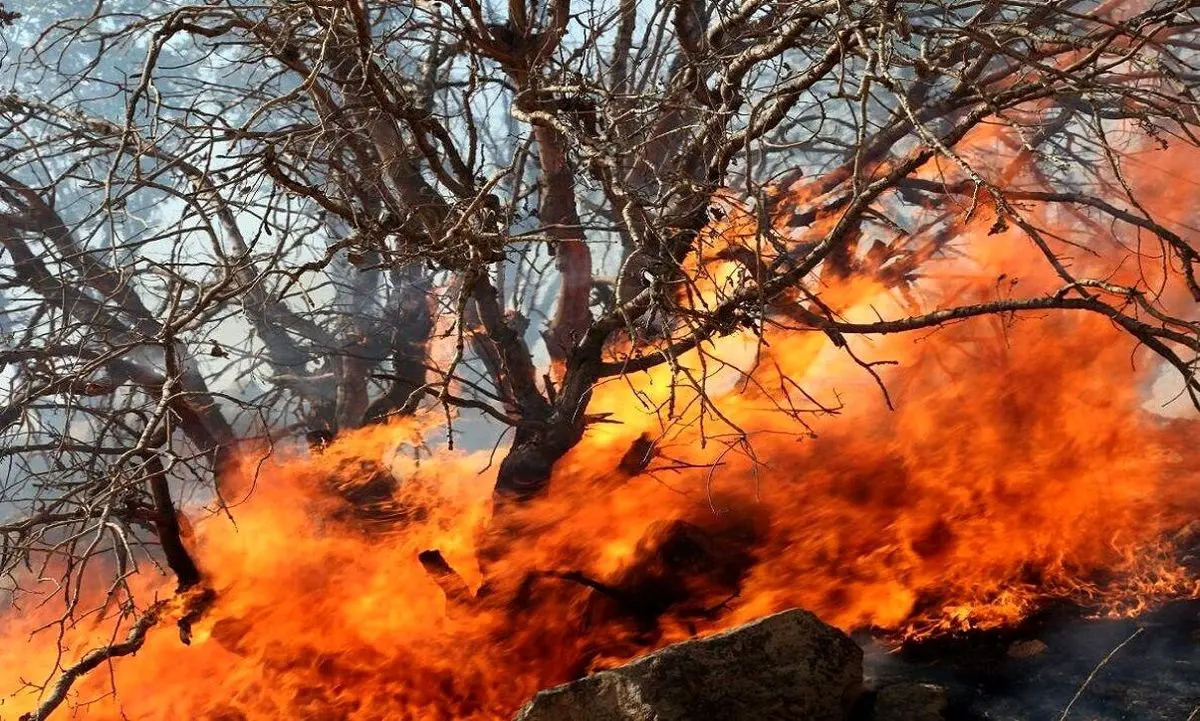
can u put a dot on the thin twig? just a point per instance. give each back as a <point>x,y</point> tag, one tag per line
<point>1104,661</point>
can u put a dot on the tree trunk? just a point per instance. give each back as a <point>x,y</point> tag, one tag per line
<point>525,471</point>
<point>167,527</point>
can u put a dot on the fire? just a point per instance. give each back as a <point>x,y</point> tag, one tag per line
<point>1019,465</point>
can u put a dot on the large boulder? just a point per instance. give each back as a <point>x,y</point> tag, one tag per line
<point>786,667</point>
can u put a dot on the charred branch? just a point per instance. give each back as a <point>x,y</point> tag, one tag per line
<point>134,640</point>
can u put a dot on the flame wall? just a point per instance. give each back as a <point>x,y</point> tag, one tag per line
<point>1018,465</point>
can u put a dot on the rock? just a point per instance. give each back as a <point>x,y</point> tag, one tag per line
<point>785,667</point>
<point>910,702</point>
<point>1027,649</point>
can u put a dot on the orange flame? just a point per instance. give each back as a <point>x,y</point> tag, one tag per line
<point>1018,465</point>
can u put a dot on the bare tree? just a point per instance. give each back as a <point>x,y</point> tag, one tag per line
<point>228,222</point>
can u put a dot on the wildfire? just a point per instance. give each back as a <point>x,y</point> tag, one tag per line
<point>1018,465</point>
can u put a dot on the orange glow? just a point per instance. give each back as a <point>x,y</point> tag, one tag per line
<point>1019,465</point>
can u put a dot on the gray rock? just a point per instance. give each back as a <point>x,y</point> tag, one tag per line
<point>910,702</point>
<point>786,667</point>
